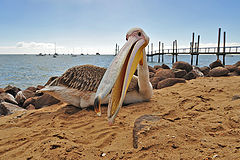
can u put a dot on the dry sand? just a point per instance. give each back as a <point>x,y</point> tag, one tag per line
<point>196,120</point>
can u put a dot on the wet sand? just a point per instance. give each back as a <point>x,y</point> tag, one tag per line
<point>195,120</point>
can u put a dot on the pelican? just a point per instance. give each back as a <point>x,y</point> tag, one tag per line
<point>88,85</point>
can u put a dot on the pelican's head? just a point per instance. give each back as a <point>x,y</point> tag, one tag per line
<point>120,72</point>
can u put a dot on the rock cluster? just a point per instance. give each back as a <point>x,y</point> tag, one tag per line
<point>163,76</point>
<point>14,99</point>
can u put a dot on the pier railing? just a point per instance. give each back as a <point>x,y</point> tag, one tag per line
<point>194,49</point>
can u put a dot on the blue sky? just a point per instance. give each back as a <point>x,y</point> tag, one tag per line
<point>90,26</point>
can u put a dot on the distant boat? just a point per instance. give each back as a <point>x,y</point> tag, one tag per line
<point>54,56</point>
<point>40,54</point>
<point>97,53</point>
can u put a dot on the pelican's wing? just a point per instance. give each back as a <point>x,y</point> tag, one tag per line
<point>83,78</point>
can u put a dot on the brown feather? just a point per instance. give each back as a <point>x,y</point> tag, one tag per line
<point>86,78</point>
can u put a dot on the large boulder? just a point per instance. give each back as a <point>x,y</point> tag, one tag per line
<point>20,98</point>
<point>156,67</point>
<point>169,82</point>
<point>205,70</point>
<point>190,75</point>
<point>162,74</point>
<point>151,69</point>
<point>237,64</point>
<point>8,108</point>
<point>182,65</point>
<point>217,63</point>
<point>231,68</point>
<point>233,74</point>
<point>237,70</point>
<point>164,66</point>
<point>31,100</point>
<point>179,73</point>
<point>41,101</point>
<point>29,92</point>
<point>151,74</point>
<point>1,90</point>
<point>7,98</point>
<point>218,72</point>
<point>45,100</point>
<point>12,90</point>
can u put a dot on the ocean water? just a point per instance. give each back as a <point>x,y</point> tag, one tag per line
<point>30,70</point>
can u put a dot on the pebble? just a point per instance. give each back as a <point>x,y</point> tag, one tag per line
<point>103,154</point>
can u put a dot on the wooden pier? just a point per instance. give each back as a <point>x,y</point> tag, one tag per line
<point>193,50</point>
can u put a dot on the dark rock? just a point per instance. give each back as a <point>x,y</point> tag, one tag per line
<point>235,97</point>
<point>205,70</point>
<point>198,71</point>
<point>179,73</point>
<point>154,81</point>
<point>45,100</point>
<point>151,69</point>
<point>231,68</point>
<point>40,87</point>
<point>50,80</point>
<point>233,74</point>
<point>182,65</point>
<point>237,64</point>
<point>151,74</point>
<point>33,89</point>
<point>1,90</point>
<point>164,66</point>
<point>7,98</point>
<point>169,82</point>
<point>29,92</point>
<point>30,107</point>
<point>217,63</point>
<point>218,72</point>
<point>8,108</point>
<point>12,90</point>
<point>194,73</point>
<point>237,70</point>
<point>31,100</point>
<point>190,75</point>
<point>156,67</point>
<point>20,98</point>
<point>162,74</point>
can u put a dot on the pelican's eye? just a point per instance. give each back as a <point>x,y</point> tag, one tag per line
<point>139,34</point>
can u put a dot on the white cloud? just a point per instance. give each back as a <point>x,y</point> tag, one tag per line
<point>35,45</point>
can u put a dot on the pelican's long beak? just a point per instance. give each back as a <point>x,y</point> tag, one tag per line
<point>118,76</point>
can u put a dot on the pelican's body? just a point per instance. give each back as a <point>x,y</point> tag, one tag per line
<point>78,86</point>
<point>89,85</point>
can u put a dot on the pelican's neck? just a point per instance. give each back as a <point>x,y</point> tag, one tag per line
<point>145,87</point>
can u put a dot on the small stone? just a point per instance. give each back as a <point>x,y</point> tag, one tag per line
<point>235,97</point>
<point>174,146</point>
<point>215,156</point>
<point>103,154</point>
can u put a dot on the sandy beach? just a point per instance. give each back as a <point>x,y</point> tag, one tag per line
<point>198,119</point>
